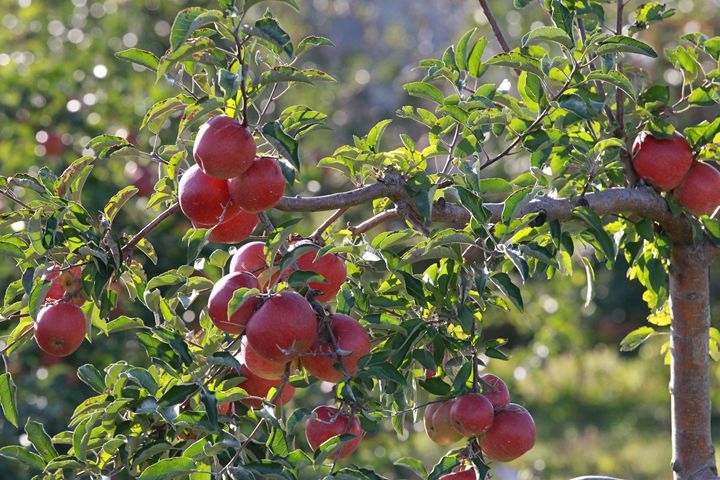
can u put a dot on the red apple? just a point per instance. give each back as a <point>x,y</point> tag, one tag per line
<point>260,187</point>
<point>329,266</point>
<point>464,474</point>
<point>60,329</point>
<point>65,281</point>
<point>351,337</point>
<point>512,434</point>
<point>220,298</point>
<point>203,199</point>
<point>329,422</point>
<point>663,162</point>
<point>495,390</point>
<point>472,414</point>
<point>700,191</point>
<point>226,408</point>
<point>259,387</point>
<point>224,148</point>
<point>285,323</point>
<point>53,144</point>
<point>234,230</point>
<point>438,425</point>
<point>259,365</point>
<point>249,258</point>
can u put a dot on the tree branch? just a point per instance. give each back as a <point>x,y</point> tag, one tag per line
<point>494,25</point>
<point>373,222</point>
<point>316,236</point>
<point>171,210</point>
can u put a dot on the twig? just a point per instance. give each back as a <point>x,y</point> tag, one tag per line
<point>620,95</point>
<point>267,223</point>
<point>30,328</point>
<point>316,236</point>
<point>171,210</point>
<point>598,84</point>
<point>494,24</point>
<point>242,446</point>
<point>16,200</point>
<point>373,222</point>
<point>451,154</point>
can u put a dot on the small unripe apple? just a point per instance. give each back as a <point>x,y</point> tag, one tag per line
<point>259,387</point>
<point>663,162</point>
<point>60,328</point>
<point>700,191</point>
<point>282,327</point>
<point>472,414</point>
<point>260,187</point>
<point>261,366</point>
<point>438,425</point>
<point>65,281</point>
<point>233,230</point>
<point>511,436</point>
<point>203,199</point>
<point>329,422</point>
<point>464,474</point>
<point>351,337</point>
<point>496,391</point>
<point>224,148</point>
<point>220,298</point>
<point>329,266</point>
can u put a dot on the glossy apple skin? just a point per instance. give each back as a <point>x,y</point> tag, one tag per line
<point>54,145</point>
<point>329,266</point>
<point>63,281</point>
<point>500,396</point>
<point>60,329</point>
<point>220,297</point>
<point>284,322</point>
<point>329,422</point>
<point>234,230</point>
<point>472,414</point>
<point>261,366</point>
<point>663,162</point>
<point>204,199</point>
<point>224,148</point>
<point>249,258</point>
<point>260,187</point>
<point>700,191</point>
<point>468,474</point>
<point>259,387</point>
<point>351,337</point>
<point>438,425</point>
<point>511,436</point>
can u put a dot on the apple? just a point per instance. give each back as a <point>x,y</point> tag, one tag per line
<point>249,258</point>
<point>53,144</point>
<point>60,328</point>
<point>328,422</point>
<point>472,414</point>
<point>495,390</point>
<point>259,387</point>
<point>464,474</point>
<point>511,435</point>
<point>260,187</point>
<point>226,408</point>
<point>700,191</point>
<point>663,162</point>
<point>259,365</point>
<point>351,337</point>
<point>233,230</point>
<point>203,199</point>
<point>224,148</point>
<point>220,297</point>
<point>438,425</point>
<point>65,281</point>
<point>329,266</point>
<point>282,327</point>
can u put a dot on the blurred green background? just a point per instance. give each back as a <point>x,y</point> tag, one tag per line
<point>597,410</point>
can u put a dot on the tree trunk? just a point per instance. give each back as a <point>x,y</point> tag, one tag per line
<point>693,451</point>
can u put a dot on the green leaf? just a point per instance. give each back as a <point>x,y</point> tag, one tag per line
<point>11,249</point>
<point>311,42</point>
<point>623,44</point>
<point>614,78</point>
<point>506,285</point>
<point>177,395</point>
<point>269,29</point>
<point>531,89</point>
<point>605,242</point>
<point>8,400</point>
<point>473,203</point>
<point>140,57</point>
<point>514,203</point>
<point>169,468</point>
<point>635,338</point>
<point>548,34</point>
<point>475,67</point>
<point>22,455</point>
<point>376,134</point>
<point>117,201</point>
<point>425,90</point>
<point>250,3</point>
<point>413,464</point>
<point>461,51</point>
<point>238,299</point>
<point>284,143</point>
<point>517,60</point>
<point>92,377</point>
<point>41,440</point>
<point>188,21</point>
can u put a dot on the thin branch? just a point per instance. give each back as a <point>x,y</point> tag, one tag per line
<point>620,95</point>
<point>316,236</point>
<point>171,210</point>
<point>598,84</point>
<point>16,200</point>
<point>494,24</point>
<point>374,221</point>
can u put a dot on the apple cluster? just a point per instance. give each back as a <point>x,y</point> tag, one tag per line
<point>228,186</point>
<point>669,165</point>
<point>504,430</point>
<point>61,326</point>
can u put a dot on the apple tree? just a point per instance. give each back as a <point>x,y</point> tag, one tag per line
<point>392,318</point>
